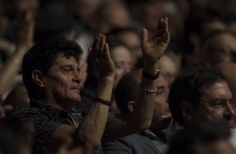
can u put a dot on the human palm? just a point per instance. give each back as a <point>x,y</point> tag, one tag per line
<point>154,48</point>
<point>100,57</point>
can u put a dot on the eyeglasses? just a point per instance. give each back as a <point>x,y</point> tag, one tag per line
<point>221,103</point>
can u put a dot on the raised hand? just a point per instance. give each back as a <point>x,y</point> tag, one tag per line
<point>25,28</point>
<point>100,57</point>
<point>154,48</point>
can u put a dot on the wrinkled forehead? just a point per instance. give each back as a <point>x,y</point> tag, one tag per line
<point>62,55</point>
<point>218,89</point>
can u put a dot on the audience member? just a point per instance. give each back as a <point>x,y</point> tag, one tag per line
<point>168,68</point>
<point>156,138</point>
<point>198,26</point>
<point>229,70</point>
<point>131,38</point>
<point>51,76</point>
<point>199,94</point>
<point>220,47</point>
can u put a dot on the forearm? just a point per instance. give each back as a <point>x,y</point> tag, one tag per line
<point>5,45</point>
<point>92,127</point>
<point>10,69</point>
<point>143,110</point>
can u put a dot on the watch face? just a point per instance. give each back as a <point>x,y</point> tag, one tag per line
<point>151,76</point>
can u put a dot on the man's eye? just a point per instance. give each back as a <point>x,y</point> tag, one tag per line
<point>67,70</point>
<point>232,103</point>
<point>159,92</point>
<point>220,103</point>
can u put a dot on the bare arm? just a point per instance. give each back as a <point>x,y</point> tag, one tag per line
<point>24,37</point>
<point>119,124</point>
<point>89,133</point>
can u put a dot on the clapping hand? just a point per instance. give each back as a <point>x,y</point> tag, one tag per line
<point>100,57</point>
<point>154,48</point>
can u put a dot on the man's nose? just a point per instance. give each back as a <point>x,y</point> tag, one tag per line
<point>77,77</point>
<point>230,110</point>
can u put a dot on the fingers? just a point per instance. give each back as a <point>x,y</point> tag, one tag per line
<point>165,28</point>
<point>162,34</point>
<point>98,46</point>
<point>144,35</point>
<point>106,51</point>
<point>102,44</point>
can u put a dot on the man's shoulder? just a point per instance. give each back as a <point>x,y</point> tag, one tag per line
<point>134,138</point>
<point>133,144</point>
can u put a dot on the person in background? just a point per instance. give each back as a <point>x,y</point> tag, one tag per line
<point>156,138</point>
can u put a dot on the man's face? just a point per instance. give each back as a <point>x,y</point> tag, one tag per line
<point>161,104</point>
<point>216,104</point>
<point>62,82</point>
<point>224,47</point>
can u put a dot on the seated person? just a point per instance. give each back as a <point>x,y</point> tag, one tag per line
<point>52,77</point>
<point>156,138</point>
<point>199,94</point>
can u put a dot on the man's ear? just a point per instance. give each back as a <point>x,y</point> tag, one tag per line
<point>186,110</point>
<point>130,106</point>
<point>37,76</point>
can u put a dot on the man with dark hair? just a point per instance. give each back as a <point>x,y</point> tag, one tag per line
<point>200,94</point>
<point>156,138</point>
<point>52,77</point>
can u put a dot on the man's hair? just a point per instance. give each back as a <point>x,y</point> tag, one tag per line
<point>188,87</point>
<point>42,56</point>
<point>192,140</point>
<point>127,90</point>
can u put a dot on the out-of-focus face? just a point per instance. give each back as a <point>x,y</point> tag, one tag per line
<point>161,104</point>
<point>151,12</point>
<point>133,41</point>
<point>62,82</point>
<point>208,28</point>
<point>216,104</point>
<point>224,50</point>
<point>222,146</point>
<point>167,68</point>
<point>117,15</point>
<point>33,5</point>
<point>87,8</point>
<point>122,59</point>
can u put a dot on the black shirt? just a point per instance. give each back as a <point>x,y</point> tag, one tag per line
<point>46,119</point>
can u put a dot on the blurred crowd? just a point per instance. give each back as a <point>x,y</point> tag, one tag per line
<point>202,32</point>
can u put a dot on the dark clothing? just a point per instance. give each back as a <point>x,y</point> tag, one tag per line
<point>46,119</point>
<point>143,142</point>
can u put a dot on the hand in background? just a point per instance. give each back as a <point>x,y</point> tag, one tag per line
<point>25,28</point>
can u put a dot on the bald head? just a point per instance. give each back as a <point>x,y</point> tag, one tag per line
<point>228,69</point>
